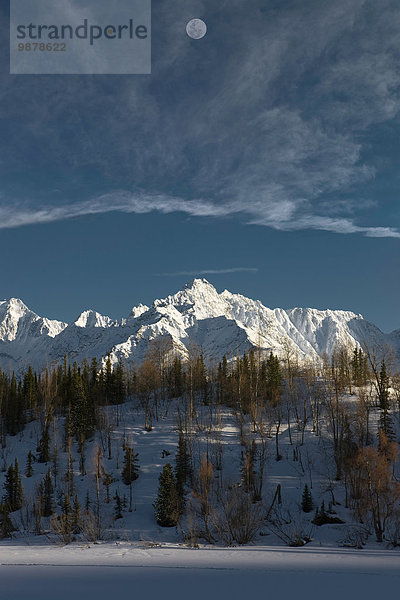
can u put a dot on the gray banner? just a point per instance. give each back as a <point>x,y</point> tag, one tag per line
<point>69,37</point>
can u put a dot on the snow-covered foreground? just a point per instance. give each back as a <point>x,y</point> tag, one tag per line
<point>107,571</point>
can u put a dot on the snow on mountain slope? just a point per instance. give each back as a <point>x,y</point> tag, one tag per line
<point>197,316</point>
<point>137,311</point>
<point>20,331</point>
<point>91,318</point>
<point>17,322</point>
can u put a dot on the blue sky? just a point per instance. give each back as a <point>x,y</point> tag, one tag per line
<point>264,157</point>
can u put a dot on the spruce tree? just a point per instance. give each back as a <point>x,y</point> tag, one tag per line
<point>29,389</point>
<point>356,367</point>
<point>109,381</point>
<point>119,384</point>
<point>13,488</point>
<point>176,379</point>
<point>386,423</point>
<point>183,470</point>
<point>19,495</point>
<point>65,519</point>
<point>306,501</point>
<point>66,505</point>
<point>6,525</point>
<point>44,445</point>
<point>14,410</point>
<point>80,422</point>
<point>130,471</point>
<point>223,380</point>
<point>29,467</point>
<point>69,475</point>
<point>274,379</point>
<point>117,506</point>
<point>167,506</point>
<point>47,492</point>
<point>107,481</point>
<point>87,502</point>
<point>383,388</point>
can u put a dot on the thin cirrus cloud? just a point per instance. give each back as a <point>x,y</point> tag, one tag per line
<point>209,272</point>
<point>283,215</point>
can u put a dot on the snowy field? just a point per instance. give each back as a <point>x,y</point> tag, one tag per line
<point>105,571</point>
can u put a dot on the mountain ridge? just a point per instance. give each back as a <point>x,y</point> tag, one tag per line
<point>197,315</point>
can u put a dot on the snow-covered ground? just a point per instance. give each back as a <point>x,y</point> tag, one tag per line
<point>132,570</point>
<point>156,448</point>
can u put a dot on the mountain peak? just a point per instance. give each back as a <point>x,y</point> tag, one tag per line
<point>14,304</point>
<point>91,318</point>
<point>198,283</point>
<point>18,322</point>
<point>197,291</point>
<point>137,311</point>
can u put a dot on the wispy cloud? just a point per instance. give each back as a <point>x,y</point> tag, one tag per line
<point>343,226</point>
<point>283,216</point>
<point>209,272</point>
<point>16,214</point>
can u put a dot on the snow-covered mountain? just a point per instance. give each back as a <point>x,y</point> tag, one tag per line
<point>197,316</point>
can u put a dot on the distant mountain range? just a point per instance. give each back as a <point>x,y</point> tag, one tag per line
<point>197,316</point>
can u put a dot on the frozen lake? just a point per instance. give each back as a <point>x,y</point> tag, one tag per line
<point>106,571</point>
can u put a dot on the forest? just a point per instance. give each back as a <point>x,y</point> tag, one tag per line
<point>176,448</point>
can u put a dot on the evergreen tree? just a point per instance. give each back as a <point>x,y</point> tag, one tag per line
<point>80,422</point>
<point>29,390</point>
<point>359,367</point>
<point>108,381</point>
<point>6,525</point>
<point>44,445</point>
<point>66,505</point>
<point>13,488</point>
<point>274,379</point>
<point>223,381</point>
<point>47,491</point>
<point>69,473</point>
<point>107,481</point>
<point>167,506</point>
<point>183,470</point>
<point>306,501</point>
<point>117,506</point>
<point>19,495</point>
<point>200,383</point>
<point>176,379</point>
<point>9,487</point>
<point>14,410</point>
<point>29,467</point>
<point>130,471</point>
<point>383,388</point>
<point>386,423</point>
<point>65,519</point>
<point>119,384</point>
<point>87,502</point>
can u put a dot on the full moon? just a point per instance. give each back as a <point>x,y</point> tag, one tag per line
<point>196,29</point>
